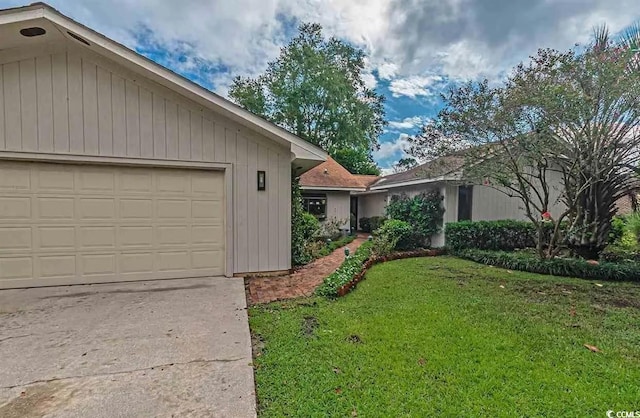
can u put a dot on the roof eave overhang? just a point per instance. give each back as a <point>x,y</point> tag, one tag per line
<point>413,183</point>
<point>333,188</point>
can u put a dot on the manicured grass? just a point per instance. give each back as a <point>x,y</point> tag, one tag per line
<point>447,337</point>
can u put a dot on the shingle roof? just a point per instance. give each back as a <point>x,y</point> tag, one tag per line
<point>431,169</point>
<point>330,174</point>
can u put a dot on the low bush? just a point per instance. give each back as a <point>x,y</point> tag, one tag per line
<point>616,254</point>
<point>372,223</point>
<point>390,236</point>
<point>567,267</point>
<point>506,235</point>
<point>351,266</point>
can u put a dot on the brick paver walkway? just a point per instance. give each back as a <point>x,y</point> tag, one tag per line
<point>301,283</point>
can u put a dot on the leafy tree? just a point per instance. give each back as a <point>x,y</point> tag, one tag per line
<point>315,90</point>
<point>571,118</point>
<point>405,164</point>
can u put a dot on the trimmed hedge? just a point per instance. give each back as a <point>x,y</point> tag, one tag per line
<point>506,235</point>
<point>568,267</point>
<point>346,272</point>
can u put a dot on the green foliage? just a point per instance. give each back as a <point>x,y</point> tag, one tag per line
<point>301,228</point>
<point>632,223</point>
<point>618,226</point>
<point>393,235</point>
<point>506,235</point>
<point>351,266</point>
<point>502,235</point>
<point>424,212</point>
<point>310,226</point>
<point>321,248</point>
<point>372,223</point>
<point>568,267</point>
<point>551,120</point>
<point>315,89</point>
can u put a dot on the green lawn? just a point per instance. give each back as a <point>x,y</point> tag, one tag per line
<point>446,337</point>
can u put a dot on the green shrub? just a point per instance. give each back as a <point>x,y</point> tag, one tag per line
<point>618,226</point>
<point>377,222</point>
<point>300,228</point>
<point>365,224</point>
<point>388,237</point>
<point>310,226</point>
<point>372,223</point>
<point>619,253</point>
<point>568,267</point>
<point>506,235</point>
<point>351,266</point>
<point>423,212</point>
<point>633,226</point>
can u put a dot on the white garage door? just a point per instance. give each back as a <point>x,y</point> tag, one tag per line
<point>65,224</point>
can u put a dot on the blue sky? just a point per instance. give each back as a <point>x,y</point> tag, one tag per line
<point>415,48</point>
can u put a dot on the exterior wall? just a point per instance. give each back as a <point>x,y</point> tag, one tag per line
<point>339,207</point>
<point>71,101</point>
<point>490,204</point>
<point>370,205</point>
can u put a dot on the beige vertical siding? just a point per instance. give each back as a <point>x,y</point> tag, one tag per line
<point>371,205</point>
<point>339,207</point>
<point>73,101</point>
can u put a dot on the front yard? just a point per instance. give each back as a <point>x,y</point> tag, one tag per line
<point>446,337</point>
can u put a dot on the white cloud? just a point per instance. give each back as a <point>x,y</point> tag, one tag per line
<point>387,70</point>
<point>370,80</point>
<point>414,86</point>
<point>455,39</point>
<point>390,149</point>
<point>408,123</point>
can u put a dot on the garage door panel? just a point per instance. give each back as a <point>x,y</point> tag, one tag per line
<point>173,260</point>
<point>136,236</point>
<point>57,265</point>
<point>55,208</point>
<point>205,234</point>
<point>136,182</point>
<point>173,235</point>
<point>98,237</point>
<point>92,208</point>
<point>172,183</point>
<point>207,259</point>
<point>16,268</point>
<point>66,224</point>
<point>55,180</point>
<point>98,264</point>
<point>15,239</point>
<point>203,184</point>
<point>57,238</point>
<point>15,178</point>
<point>13,208</point>
<point>207,210</point>
<point>136,263</point>
<point>172,209</point>
<point>135,209</point>
<point>94,180</point>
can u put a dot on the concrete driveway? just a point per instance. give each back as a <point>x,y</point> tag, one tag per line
<point>148,349</point>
